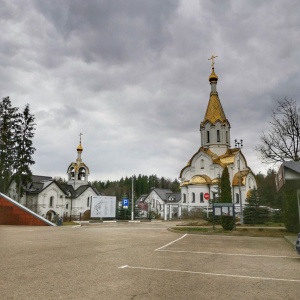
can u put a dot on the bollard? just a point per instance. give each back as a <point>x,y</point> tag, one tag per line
<point>59,221</point>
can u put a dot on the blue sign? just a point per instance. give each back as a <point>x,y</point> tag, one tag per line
<point>125,202</point>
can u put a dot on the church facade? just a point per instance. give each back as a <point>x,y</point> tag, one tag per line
<point>199,178</point>
<point>52,199</point>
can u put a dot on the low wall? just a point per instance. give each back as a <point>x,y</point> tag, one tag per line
<point>14,213</point>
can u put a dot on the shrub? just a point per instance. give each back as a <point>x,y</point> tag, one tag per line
<point>228,222</point>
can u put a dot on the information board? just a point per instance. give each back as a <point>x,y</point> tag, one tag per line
<point>103,207</point>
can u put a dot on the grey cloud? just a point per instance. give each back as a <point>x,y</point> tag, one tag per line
<point>132,76</point>
<point>113,31</point>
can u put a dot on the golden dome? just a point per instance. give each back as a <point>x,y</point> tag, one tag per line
<point>185,183</point>
<point>215,180</point>
<point>200,179</point>
<point>79,147</point>
<point>213,76</point>
<point>240,175</point>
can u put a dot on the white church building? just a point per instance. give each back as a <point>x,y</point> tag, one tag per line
<point>199,178</point>
<point>52,199</point>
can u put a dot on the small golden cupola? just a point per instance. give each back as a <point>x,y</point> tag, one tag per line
<point>213,76</point>
<point>79,147</point>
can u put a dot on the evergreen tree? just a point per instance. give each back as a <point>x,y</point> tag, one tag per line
<point>254,213</point>
<point>267,191</point>
<point>217,193</point>
<point>8,116</point>
<point>226,196</point>
<point>227,221</point>
<point>24,148</point>
<point>291,217</point>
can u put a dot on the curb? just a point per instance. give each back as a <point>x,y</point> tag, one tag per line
<point>291,240</point>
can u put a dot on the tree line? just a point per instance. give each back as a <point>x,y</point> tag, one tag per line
<point>142,184</point>
<point>16,145</point>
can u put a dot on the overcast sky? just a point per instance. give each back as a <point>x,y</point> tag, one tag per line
<point>132,77</point>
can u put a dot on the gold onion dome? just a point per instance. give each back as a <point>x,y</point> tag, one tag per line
<point>79,148</point>
<point>213,76</point>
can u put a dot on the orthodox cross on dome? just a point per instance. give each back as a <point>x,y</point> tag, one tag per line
<point>80,134</point>
<point>212,60</point>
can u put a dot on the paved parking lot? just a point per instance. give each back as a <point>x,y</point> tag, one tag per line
<point>142,261</point>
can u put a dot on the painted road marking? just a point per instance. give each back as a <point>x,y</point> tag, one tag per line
<point>229,254</point>
<point>211,274</point>
<point>171,243</point>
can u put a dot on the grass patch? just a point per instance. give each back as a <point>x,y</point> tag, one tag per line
<point>239,231</point>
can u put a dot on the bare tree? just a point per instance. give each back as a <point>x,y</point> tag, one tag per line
<point>282,141</point>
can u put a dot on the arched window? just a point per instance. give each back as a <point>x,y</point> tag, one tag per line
<point>88,201</point>
<point>72,173</point>
<point>207,136</point>
<point>237,198</point>
<point>193,198</point>
<point>51,201</point>
<point>202,164</point>
<point>226,136</point>
<point>249,183</point>
<point>184,198</point>
<point>218,135</point>
<point>201,198</point>
<point>81,174</point>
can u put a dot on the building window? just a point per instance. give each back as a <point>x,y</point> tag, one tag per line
<point>51,201</point>
<point>193,197</point>
<point>88,202</point>
<point>226,136</point>
<point>67,205</point>
<point>201,198</point>
<point>237,198</point>
<point>218,135</point>
<point>202,164</point>
<point>184,198</point>
<point>81,174</point>
<point>72,173</point>
<point>249,182</point>
<point>207,136</point>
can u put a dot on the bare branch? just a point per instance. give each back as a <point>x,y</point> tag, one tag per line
<point>282,141</point>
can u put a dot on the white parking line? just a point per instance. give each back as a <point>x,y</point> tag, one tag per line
<point>211,274</point>
<point>229,254</point>
<point>170,243</point>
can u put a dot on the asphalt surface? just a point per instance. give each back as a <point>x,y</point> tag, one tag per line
<point>143,261</point>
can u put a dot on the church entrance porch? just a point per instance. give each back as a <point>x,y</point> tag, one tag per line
<point>51,215</point>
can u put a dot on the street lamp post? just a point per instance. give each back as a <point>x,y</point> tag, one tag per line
<point>132,201</point>
<point>240,146</point>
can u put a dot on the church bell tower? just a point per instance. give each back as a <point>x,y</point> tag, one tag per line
<point>215,128</point>
<point>77,171</point>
